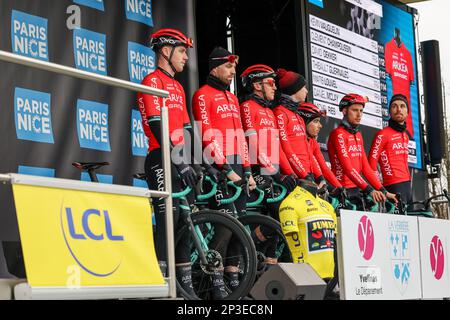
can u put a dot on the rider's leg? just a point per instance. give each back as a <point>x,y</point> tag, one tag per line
<point>155,181</point>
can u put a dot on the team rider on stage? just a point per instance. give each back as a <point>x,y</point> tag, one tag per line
<point>347,155</point>
<point>223,139</point>
<point>170,47</point>
<point>390,150</point>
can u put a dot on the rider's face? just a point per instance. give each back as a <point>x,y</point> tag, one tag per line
<point>399,111</point>
<point>267,86</point>
<point>354,113</point>
<point>313,128</point>
<point>179,56</point>
<point>225,72</point>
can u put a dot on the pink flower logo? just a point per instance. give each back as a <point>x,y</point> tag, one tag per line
<point>366,238</point>
<point>437,258</point>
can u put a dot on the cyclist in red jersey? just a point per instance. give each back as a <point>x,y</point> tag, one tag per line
<point>294,140</point>
<point>347,155</point>
<point>216,110</point>
<point>311,114</point>
<point>390,150</point>
<point>266,156</point>
<point>170,47</point>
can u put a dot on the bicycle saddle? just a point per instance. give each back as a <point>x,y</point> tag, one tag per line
<point>87,166</point>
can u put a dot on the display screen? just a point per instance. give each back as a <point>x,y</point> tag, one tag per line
<point>365,47</point>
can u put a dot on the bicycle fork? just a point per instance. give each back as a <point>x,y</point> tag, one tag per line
<point>200,244</point>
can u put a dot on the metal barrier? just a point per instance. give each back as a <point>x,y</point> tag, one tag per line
<point>110,81</point>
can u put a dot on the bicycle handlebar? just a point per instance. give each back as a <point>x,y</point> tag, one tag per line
<point>281,196</point>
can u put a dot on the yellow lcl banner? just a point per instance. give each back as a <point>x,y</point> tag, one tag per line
<point>75,238</point>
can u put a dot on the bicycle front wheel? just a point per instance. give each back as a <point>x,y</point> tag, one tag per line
<point>211,225</point>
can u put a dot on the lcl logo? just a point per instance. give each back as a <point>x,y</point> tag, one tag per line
<point>366,237</point>
<point>437,258</point>
<point>89,237</point>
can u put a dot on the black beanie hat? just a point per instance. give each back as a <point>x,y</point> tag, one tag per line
<point>218,52</point>
<point>401,97</point>
<point>290,82</point>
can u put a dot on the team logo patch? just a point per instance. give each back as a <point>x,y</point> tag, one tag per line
<point>141,61</point>
<point>32,113</point>
<point>96,4</point>
<point>92,125</point>
<point>90,51</point>
<point>140,11</point>
<point>29,35</point>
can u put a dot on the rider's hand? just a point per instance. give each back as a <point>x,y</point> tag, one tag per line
<point>251,183</point>
<point>233,176</point>
<point>188,175</point>
<point>289,182</point>
<point>378,196</point>
<point>213,173</point>
<point>338,192</point>
<point>322,184</point>
<point>392,197</point>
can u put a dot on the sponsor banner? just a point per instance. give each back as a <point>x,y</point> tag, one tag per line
<point>36,171</point>
<point>89,50</point>
<point>96,4</point>
<point>92,125</point>
<point>381,255</point>
<point>102,178</point>
<point>434,252</point>
<point>140,11</point>
<point>141,61</point>
<point>77,239</point>
<point>33,116</point>
<point>139,141</point>
<point>29,35</point>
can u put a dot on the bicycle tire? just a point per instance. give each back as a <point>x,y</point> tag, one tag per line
<point>253,220</point>
<point>200,278</point>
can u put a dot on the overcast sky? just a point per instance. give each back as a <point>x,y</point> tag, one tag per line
<point>434,24</point>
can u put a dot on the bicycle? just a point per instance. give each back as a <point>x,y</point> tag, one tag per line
<point>201,224</point>
<point>255,219</point>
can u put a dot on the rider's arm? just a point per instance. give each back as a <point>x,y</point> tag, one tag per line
<point>296,164</point>
<point>378,145</point>
<point>201,109</point>
<point>326,171</point>
<point>252,130</point>
<point>370,174</point>
<point>290,228</point>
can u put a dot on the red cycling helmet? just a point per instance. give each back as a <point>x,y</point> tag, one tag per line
<point>256,72</point>
<point>310,111</point>
<point>169,37</point>
<point>352,98</point>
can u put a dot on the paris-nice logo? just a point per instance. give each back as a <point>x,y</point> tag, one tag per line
<point>366,237</point>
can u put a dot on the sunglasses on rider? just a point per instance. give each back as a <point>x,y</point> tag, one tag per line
<point>270,82</point>
<point>231,58</point>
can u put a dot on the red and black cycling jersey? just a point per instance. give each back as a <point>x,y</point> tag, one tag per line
<point>294,142</point>
<point>263,137</point>
<point>150,107</point>
<point>348,159</point>
<point>221,126</point>
<point>390,150</point>
<point>320,160</point>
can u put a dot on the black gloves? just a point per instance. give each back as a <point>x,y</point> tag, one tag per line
<point>213,173</point>
<point>288,182</point>
<point>187,174</point>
